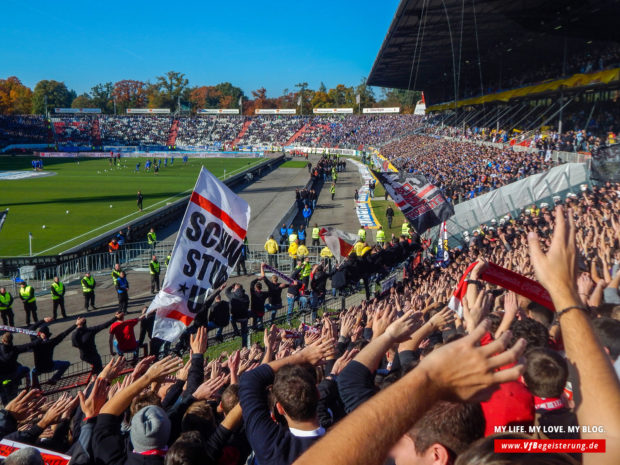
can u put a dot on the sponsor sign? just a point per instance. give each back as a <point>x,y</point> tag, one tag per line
<point>340,111</point>
<point>77,110</point>
<point>218,111</point>
<point>275,111</point>
<point>381,110</point>
<point>147,111</point>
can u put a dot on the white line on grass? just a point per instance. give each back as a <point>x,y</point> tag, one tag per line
<point>112,222</point>
<point>135,213</point>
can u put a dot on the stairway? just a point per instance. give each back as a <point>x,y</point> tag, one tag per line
<point>172,134</point>
<point>297,134</point>
<point>95,133</point>
<point>244,129</point>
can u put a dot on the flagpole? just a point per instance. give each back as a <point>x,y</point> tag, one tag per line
<point>30,242</point>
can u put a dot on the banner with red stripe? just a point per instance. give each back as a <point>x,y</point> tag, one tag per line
<point>206,250</point>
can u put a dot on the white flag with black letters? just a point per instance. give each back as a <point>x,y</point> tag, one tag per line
<point>206,250</point>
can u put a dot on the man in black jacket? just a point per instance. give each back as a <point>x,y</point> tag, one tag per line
<point>239,305</point>
<point>318,283</point>
<point>11,372</point>
<point>43,351</point>
<point>257,303</point>
<point>274,289</point>
<point>84,340</point>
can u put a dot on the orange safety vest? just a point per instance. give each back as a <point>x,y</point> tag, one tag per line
<point>113,247</point>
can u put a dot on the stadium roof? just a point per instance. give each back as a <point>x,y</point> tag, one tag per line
<point>431,41</point>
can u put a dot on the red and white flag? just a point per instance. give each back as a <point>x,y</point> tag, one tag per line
<point>456,301</point>
<point>339,242</point>
<point>206,250</point>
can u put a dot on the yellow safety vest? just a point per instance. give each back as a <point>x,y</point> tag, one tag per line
<point>302,251</point>
<point>116,275</point>
<point>306,270</point>
<point>154,268</point>
<point>151,237</point>
<point>315,233</point>
<point>4,301</point>
<point>58,287</point>
<point>271,246</point>
<point>326,253</point>
<point>90,283</point>
<point>405,229</point>
<point>380,235</point>
<point>291,238</point>
<point>25,292</point>
<point>292,250</point>
<point>362,234</point>
<point>357,248</point>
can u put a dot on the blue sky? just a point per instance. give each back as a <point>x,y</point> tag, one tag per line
<point>274,44</point>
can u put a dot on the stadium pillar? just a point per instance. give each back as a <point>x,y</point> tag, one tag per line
<point>30,242</point>
<point>562,89</point>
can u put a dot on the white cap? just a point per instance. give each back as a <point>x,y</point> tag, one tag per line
<point>544,205</point>
<point>583,187</point>
<point>502,221</point>
<point>557,198</point>
<point>528,211</point>
<point>493,221</point>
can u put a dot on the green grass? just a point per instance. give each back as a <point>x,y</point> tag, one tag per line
<point>294,164</point>
<point>87,188</point>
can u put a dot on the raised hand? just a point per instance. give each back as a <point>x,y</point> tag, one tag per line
<point>209,388</point>
<point>54,413</point>
<point>20,406</point>
<point>199,342</point>
<point>403,327</point>
<point>166,366</point>
<point>343,361</point>
<point>317,351</point>
<point>113,368</point>
<point>98,396</point>
<point>442,318</point>
<point>557,269</point>
<point>462,371</point>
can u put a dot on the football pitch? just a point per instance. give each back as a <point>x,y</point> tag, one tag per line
<point>97,197</point>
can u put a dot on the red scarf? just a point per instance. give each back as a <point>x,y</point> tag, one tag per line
<point>548,404</point>
<point>160,452</point>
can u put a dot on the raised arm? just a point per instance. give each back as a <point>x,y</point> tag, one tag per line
<point>600,389</point>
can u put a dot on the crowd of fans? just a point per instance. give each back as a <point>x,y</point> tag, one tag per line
<point>208,130</point>
<point>400,377</point>
<point>73,130</point>
<point>463,170</point>
<point>23,129</point>
<point>272,130</point>
<point>135,130</point>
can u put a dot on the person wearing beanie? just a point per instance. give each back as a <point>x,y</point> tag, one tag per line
<point>150,426</point>
<point>25,456</point>
<point>150,429</point>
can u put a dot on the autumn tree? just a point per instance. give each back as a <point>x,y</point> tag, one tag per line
<point>342,96</point>
<point>101,97</point>
<point>57,94</point>
<point>129,94</point>
<point>15,98</point>
<point>82,101</point>
<point>167,90</point>
<point>367,95</point>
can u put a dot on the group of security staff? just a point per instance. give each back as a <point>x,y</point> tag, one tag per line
<point>58,289</point>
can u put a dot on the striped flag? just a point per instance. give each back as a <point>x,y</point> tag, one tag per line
<point>339,242</point>
<point>206,250</point>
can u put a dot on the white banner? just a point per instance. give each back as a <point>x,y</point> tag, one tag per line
<point>218,111</point>
<point>207,247</point>
<point>275,111</point>
<point>381,110</point>
<point>319,111</point>
<point>143,111</point>
<point>77,110</point>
